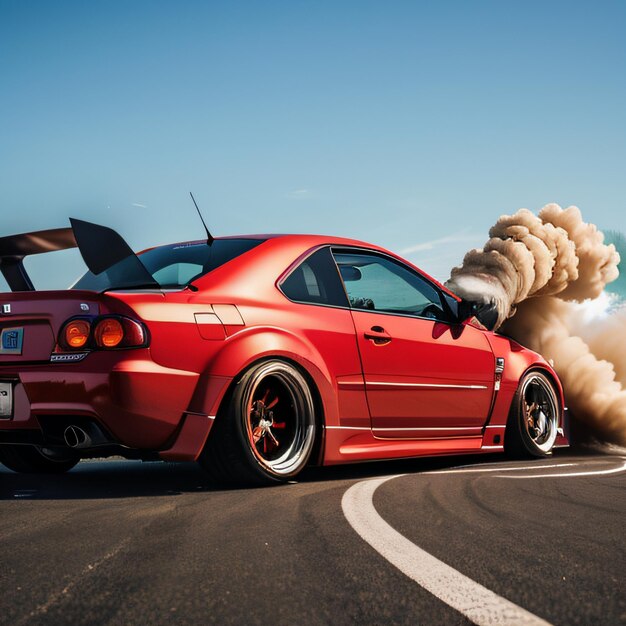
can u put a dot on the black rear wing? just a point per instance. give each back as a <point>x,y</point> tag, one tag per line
<point>13,249</point>
<point>101,247</point>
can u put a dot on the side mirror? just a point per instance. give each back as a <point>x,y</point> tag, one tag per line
<point>487,315</point>
<point>485,312</point>
<point>466,310</point>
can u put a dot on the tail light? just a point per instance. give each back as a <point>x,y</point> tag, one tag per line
<point>110,332</point>
<point>76,333</point>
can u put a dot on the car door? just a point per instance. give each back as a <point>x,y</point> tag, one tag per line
<point>425,376</point>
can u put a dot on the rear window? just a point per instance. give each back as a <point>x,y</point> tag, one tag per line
<point>172,266</point>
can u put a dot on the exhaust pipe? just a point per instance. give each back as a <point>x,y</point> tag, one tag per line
<point>76,437</point>
<point>89,435</point>
<point>74,431</point>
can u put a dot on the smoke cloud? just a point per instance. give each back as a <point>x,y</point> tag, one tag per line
<point>535,269</point>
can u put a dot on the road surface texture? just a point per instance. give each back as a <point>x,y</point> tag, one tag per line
<point>430,541</point>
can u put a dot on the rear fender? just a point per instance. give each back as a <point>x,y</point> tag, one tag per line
<point>237,355</point>
<point>256,344</point>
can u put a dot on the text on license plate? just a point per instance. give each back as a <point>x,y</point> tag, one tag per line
<point>6,399</point>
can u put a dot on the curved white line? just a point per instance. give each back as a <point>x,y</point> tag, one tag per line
<point>476,602</point>
<point>473,470</point>
<point>615,470</point>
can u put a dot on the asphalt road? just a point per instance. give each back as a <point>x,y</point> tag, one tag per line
<point>121,542</point>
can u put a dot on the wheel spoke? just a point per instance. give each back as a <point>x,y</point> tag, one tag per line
<point>257,433</point>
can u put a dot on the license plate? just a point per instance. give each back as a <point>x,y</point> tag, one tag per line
<point>11,340</point>
<point>6,400</point>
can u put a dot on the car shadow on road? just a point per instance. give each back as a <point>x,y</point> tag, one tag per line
<point>127,479</point>
<point>107,478</point>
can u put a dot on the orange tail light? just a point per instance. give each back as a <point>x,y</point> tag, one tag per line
<point>108,333</point>
<point>76,333</point>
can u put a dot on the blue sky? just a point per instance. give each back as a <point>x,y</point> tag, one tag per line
<point>410,124</point>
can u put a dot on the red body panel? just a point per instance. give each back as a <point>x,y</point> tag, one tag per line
<point>430,379</point>
<point>430,390</point>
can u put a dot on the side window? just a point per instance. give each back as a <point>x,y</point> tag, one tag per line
<point>376,283</point>
<point>315,281</point>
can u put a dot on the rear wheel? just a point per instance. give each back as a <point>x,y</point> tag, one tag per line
<point>267,432</point>
<point>534,418</point>
<point>37,460</point>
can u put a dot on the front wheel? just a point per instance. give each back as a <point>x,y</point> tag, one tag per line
<point>534,417</point>
<point>268,431</point>
<point>37,460</point>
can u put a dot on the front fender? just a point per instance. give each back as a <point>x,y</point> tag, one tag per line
<point>518,361</point>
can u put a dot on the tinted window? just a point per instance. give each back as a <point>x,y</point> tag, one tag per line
<point>172,266</point>
<point>377,283</point>
<point>315,281</point>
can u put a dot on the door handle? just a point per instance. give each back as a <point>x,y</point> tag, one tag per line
<point>378,335</point>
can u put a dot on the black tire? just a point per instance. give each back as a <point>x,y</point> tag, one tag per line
<point>267,430</point>
<point>35,460</point>
<point>534,417</point>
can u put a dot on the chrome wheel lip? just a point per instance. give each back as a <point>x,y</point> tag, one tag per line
<point>299,447</point>
<point>545,437</point>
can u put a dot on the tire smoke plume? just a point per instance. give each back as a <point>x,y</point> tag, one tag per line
<point>535,269</point>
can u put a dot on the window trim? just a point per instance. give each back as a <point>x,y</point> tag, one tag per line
<point>356,250</point>
<point>384,255</point>
<point>297,263</point>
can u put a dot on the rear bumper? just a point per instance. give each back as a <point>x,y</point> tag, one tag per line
<point>138,403</point>
<point>28,436</point>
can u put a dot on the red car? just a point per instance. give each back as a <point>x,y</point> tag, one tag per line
<point>255,356</point>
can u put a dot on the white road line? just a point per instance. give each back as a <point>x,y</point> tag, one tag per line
<point>472,470</point>
<point>476,602</point>
<point>615,470</point>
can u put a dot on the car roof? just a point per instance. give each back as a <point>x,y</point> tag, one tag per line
<point>287,237</point>
<point>304,242</point>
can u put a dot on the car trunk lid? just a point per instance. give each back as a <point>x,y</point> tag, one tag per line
<point>30,321</point>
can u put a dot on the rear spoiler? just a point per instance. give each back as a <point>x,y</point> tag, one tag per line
<point>13,249</point>
<point>101,248</point>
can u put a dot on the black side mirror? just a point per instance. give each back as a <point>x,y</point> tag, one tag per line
<point>466,310</point>
<point>485,312</point>
<point>487,315</point>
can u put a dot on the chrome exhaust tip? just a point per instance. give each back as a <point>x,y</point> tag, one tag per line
<point>76,437</point>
